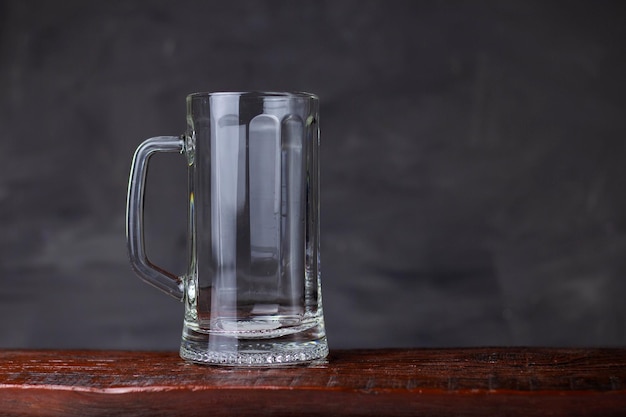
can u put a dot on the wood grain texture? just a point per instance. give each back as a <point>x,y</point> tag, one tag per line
<point>430,382</point>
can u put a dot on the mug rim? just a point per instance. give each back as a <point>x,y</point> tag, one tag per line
<point>256,94</point>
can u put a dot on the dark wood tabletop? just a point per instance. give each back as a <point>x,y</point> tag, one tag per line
<point>401,382</point>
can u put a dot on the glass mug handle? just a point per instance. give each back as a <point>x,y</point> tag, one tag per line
<point>152,274</point>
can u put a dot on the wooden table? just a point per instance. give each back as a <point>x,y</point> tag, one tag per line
<point>425,382</point>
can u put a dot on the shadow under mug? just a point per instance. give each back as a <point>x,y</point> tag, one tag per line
<point>252,290</point>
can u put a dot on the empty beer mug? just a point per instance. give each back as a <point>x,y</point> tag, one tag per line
<point>252,291</point>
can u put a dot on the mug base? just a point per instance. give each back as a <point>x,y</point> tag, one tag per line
<point>215,349</point>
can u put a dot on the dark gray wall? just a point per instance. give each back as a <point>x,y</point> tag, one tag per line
<point>473,163</point>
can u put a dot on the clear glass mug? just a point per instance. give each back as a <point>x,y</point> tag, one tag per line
<point>252,291</point>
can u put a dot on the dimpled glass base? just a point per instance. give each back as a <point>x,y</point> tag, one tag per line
<point>215,349</point>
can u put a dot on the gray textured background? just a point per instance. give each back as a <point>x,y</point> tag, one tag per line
<point>473,163</point>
